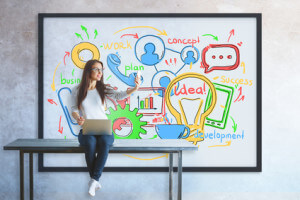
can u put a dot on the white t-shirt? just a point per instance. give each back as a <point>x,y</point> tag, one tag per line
<point>92,107</point>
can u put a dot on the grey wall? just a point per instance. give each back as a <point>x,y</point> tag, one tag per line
<point>280,178</point>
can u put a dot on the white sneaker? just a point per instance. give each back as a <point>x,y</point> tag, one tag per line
<point>98,184</point>
<point>94,185</point>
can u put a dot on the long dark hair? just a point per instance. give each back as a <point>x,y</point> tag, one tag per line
<point>85,83</point>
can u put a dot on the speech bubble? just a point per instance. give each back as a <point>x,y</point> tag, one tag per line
<point>220,57</point>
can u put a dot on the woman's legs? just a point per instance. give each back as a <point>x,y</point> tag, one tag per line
<point>104,142</point>
<point>90,143</point>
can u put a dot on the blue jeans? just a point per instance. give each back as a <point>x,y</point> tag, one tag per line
<point>93,144</point>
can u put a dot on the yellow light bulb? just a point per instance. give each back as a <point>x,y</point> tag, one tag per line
<point>198,125</point>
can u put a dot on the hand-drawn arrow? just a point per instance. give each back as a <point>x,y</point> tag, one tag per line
<point>85,30</point>
<point>231,33</point>
<point>228,143</point>
<point>52,101</point>
<point>234,125</point>
<point>201,66</point>
<point>134,35</point>
<point>78,35</point>
<point>243,65</point>
<point>214,37</point>
<point>155,136</point>
<point>67,54</point>
<point>60,129</point>
<point>53,83</point>
<point>159,31</point>
<point>166,155</point>
<point>96,33</point>
<point>240,94</point>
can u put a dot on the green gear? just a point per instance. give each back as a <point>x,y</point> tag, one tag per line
<point>131,115</point>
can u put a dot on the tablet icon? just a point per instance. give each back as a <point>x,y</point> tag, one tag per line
<point>218,117</point>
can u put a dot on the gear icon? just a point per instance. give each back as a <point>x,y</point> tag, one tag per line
<point>132,116</point>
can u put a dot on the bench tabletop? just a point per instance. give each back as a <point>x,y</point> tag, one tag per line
<point>119,145</point>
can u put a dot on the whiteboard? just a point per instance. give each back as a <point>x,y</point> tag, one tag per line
<point>201,82</point>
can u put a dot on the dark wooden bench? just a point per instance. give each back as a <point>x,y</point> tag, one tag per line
<point>120,146</point>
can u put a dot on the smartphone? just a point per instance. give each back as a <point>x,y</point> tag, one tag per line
<point>139,74</point>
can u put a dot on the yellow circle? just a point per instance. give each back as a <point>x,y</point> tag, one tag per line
<point>84,46</point>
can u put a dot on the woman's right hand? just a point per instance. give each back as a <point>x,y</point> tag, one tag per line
<point>80,120</point>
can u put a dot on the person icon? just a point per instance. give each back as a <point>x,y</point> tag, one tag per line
<point>189,58</point>
<point>150,57</point>
<point>162,79</point>
<point>164,82</point>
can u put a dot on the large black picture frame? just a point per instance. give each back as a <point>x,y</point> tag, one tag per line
<point>257,16</point>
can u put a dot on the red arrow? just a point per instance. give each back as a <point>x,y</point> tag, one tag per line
<point>60,129</point>
<point>242,98</point>
<point>238,98</point>
<point>202,65</point>
<point>134,35</point>
<point>231,33</point>
<point>51,101</point>
<point>67,53</point>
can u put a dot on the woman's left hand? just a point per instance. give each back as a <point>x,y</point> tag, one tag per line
<point>137,82</point>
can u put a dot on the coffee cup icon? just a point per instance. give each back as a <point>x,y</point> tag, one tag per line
<point>172,131</point>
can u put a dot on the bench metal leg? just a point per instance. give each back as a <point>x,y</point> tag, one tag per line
<point>170,176</point>
<point>21,175</point>
<point>31,175</point>
<point>179,175</point>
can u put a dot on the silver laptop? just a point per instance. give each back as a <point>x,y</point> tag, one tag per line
<point>96,127</point>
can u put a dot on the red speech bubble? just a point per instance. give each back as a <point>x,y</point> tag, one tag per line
<point>220,57</point>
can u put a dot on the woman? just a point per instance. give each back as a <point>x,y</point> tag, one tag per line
<point>89,98</point>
